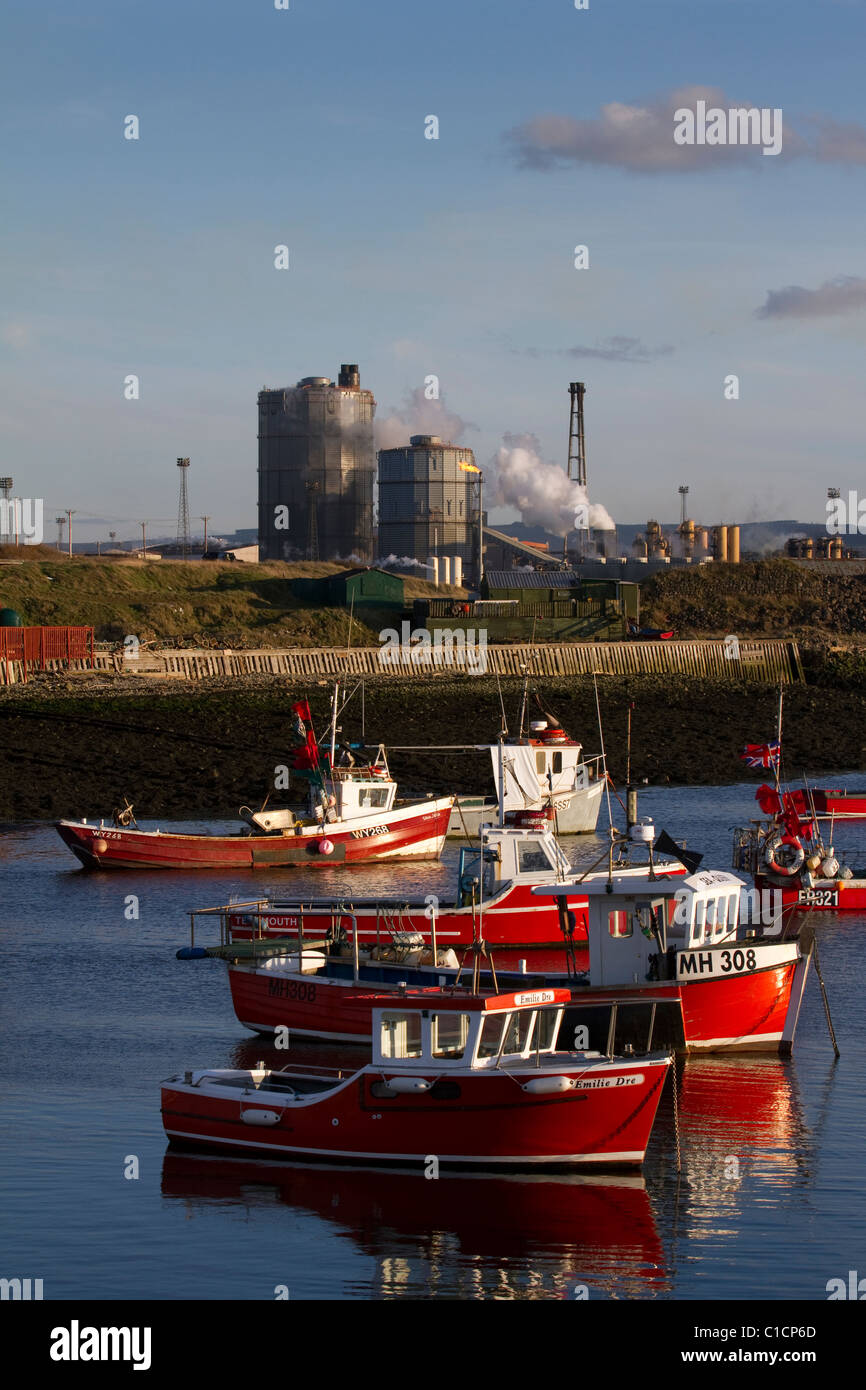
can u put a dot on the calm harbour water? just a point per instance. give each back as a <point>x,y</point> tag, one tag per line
<point>96,1012</point>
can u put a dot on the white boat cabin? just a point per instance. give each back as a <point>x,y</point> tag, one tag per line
<point>633,929</point>
<point>476,1032</point>
<point>508,856</point>
<point>356,792</point>
<point>540,768</point>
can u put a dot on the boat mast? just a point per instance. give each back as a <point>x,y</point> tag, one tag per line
<point>334,727</point>
<point>501,783</point>
<point>523,701</point>
<point>779,736</point>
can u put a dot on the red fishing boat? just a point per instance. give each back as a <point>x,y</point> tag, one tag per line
<point>493,901</point>
<point>462,1080</point>
<point>830,803</point>
<point>789,858</point>
<point>679,945</point>
<point>352,818</point>
<point>669,941</point>
<point>787,854</point>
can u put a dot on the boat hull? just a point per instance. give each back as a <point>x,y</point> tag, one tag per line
<point>747,1010</point>
<point>751,1011</point>
<point>576,813</point>
<point>515,924</point>
<point>469,1120</point>
<point>836,802</point>
<point>406,833</point>
<point>830,895</point>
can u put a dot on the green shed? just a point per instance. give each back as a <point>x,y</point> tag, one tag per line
<point>359,588</point>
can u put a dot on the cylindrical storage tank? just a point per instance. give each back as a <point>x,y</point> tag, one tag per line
<point>734,545</point>
<point>458,571</point>
<point>317,469</point>
<point>428,500</point>
<point>836,548</point>
<point>445,564</point>
<point>703,538</point>
<point>808,548</point>
<point>433,569</point>
<point>720,542</point>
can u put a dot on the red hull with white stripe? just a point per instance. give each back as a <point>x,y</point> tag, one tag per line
<point>405,833</point>
<point>513,923</point>
<point>750,1011</point>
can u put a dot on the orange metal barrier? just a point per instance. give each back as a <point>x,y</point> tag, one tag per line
<point>36,646</point>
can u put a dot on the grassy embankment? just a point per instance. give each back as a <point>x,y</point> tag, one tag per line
<point>196,603</point>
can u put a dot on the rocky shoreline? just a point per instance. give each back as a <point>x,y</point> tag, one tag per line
<point>184,751</point>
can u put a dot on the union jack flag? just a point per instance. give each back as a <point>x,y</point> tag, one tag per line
<point>762,754</point>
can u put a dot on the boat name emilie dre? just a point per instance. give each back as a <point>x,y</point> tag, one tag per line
<point>601,1083</point>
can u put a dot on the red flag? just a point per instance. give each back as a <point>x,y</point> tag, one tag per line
<point>768,800</point>
<point>306,755</point>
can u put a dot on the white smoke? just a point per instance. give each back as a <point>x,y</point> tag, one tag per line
<point>419,416</point>
<point>543,493</point>
<point>404,561</point>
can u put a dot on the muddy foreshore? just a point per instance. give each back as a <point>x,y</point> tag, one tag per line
<point>75,748</point>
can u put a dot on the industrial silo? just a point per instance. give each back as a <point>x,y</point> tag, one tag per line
<point>429,501</point>
<point>317,468</point>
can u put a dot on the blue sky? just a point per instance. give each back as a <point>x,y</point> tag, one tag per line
<point>414,257</point>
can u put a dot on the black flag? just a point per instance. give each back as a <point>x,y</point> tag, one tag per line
<point>665,845</point>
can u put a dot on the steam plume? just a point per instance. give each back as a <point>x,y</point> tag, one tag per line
<point>542,493</point>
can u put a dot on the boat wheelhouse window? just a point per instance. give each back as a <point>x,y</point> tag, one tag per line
<point>449,1032</point>
<point>619,923</point>
<point>541,762</point>
<point>491,1035</point>
<point>518,1032</point>
<point>717,911</point>
<point>557,762</point>
<point>401,1035</point>
<point>700,920</point>
<point>374,796</point>
<point>531,856</point>
<point>546,1029</point>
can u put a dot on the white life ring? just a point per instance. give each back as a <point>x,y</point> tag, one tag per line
<point>792,863</point>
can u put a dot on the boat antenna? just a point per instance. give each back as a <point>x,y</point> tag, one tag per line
<point>628,747</point>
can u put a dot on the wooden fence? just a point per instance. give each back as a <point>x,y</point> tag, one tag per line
<point>758,661</point>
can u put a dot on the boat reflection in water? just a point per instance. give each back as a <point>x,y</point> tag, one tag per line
<point>479,1236</point>
<point>749,1156</point>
